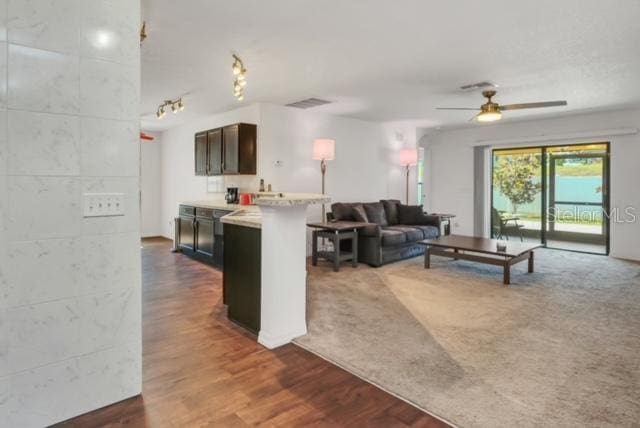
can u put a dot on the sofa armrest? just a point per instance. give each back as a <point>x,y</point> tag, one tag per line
<point>371,231</point>
<point>430,220</point>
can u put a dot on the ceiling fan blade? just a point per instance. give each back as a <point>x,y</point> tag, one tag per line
<point>533,105</point>
<point>456,108</point>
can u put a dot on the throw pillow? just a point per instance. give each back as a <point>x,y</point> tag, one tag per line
<point>375,213</point>
<point>342,211</point>
<point>410,214</point>
<point>391,210</point>
<point>360,214</point>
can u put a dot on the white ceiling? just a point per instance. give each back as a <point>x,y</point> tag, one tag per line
<point>389,61</point>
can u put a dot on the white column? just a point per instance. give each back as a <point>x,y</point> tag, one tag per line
<point>284,272</point>
<point>283,307</point>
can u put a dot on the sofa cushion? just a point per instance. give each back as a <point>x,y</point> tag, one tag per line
<point>429,232</point>
<point>393,237</point>
<point>359,213</point>
<point>412,234</point>
<point>375,213</point>
<point>410,214</point>
<point>343,211</point>
<point>391,210</point>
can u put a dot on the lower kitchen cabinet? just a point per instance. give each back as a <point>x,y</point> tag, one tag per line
<point>242,275</point>
<point>200,234</point>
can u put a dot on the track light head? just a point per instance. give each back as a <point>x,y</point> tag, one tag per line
<point>180,105</point>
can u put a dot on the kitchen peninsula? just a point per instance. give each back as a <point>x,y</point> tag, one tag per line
<point>264,260</point>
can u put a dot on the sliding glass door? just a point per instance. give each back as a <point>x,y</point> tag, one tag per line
<point>556,195</point>
<point>577,195</point>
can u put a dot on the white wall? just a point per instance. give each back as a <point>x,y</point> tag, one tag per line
<point>70,330</point>
<point>366,167</point>
<point>150,186</point>
<point>450,166</point>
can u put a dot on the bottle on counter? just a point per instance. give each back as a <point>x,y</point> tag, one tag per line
<point>261,185</point>
<point>269,188</point>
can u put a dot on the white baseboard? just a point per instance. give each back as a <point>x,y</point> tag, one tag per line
<point>270,341</point>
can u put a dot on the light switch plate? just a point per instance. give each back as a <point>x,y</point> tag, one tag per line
<point>103,204</point>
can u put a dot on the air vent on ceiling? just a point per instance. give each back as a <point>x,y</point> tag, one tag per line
<point>479,85</point>
<point>309,103</point>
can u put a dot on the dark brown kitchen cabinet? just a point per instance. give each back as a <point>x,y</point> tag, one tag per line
<point>187,221</point>
<point>214,152</point>
<point>201,153</point>
<point>204,233</point>
<point>241,282</point>
<point>239,149</point>
<point>228,150</point>
<point>200,234</point>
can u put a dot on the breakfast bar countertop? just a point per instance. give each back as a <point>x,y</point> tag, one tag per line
<point>218,205</point>
<point>249,218</point>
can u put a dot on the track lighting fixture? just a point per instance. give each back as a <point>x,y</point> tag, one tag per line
<point>240,74</point>
<point>176,106</point>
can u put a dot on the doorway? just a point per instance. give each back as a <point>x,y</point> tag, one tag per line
<point>555,195</point>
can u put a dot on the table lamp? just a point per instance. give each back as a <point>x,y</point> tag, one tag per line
<point>408,158</point>
<point>324,150</point>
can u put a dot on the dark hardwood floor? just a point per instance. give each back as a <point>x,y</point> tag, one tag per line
<point>200,370</point>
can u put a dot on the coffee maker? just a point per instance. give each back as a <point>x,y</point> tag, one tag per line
<point>232,196</point>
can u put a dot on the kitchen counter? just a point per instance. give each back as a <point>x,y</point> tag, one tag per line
<point>218,205</point>
<point>244,217</point>
<point>292,199</point>
<point>241,215</point>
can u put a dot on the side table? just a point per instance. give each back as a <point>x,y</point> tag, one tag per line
<point>336,231</point>
<point>446,219</point>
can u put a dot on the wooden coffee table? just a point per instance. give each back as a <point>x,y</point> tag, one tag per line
<point>481,250</point>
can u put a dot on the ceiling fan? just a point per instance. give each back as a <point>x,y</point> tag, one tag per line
<point>491,111</point>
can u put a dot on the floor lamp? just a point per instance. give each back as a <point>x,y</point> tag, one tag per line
<point>324,150</point>
<point>408,158</point>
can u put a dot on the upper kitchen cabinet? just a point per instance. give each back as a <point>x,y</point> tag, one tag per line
<point>239,149</point>
<point>201,153</point>
<point>228,150</point>
<point>214,147</point>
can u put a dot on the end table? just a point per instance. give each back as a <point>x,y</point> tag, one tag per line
<point>336,231</point>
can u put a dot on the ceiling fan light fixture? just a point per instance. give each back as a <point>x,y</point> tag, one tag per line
<point>489,116</point>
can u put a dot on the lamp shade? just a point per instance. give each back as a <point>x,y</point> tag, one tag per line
<point>408,157</point>
<point>324,149</point>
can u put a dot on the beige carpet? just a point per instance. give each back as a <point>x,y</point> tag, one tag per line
<point>560,347</point>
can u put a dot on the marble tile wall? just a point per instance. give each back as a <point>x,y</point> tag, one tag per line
<point>70,303</point>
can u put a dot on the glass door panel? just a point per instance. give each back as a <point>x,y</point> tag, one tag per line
<point>516,208</point>
<point>577,198</point>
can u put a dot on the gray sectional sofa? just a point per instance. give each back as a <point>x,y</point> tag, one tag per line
<point>394,233</point>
